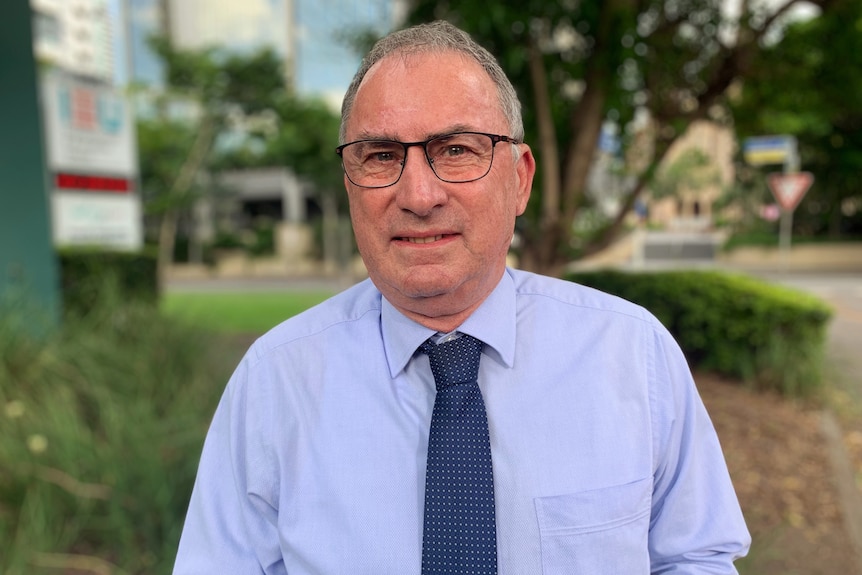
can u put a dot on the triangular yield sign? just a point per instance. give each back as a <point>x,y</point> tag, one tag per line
<point>788,189</point>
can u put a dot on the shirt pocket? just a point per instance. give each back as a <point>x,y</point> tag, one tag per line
<point>601,532</point>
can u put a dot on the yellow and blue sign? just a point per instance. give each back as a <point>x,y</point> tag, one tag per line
<point>765,150</point>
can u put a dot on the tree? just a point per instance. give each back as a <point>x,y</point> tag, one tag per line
<point>576,64</point>
<point>215,88</point>
<point>808,85</point>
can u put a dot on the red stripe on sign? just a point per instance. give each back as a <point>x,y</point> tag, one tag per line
<point>92,183</point>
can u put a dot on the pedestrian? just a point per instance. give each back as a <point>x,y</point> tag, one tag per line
<point>451,414</point>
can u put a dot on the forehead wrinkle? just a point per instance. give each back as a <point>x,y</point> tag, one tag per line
<point>369,135</point>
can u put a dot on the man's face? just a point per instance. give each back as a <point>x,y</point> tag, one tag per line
<point>435,249</point>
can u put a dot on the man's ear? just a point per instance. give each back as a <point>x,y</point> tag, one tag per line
<point>525,168</point>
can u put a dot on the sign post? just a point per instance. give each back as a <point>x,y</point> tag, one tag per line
<point>788,187</point>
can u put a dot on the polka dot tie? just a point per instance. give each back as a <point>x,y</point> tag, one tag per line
<point>460,534</point>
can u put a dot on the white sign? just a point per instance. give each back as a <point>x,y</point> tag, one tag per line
<point>91,155</point>
<point>788,189</point>
<point>88,219</point>
<point>89,128</point>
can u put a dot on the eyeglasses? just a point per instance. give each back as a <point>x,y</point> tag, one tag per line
<point>456,158</point>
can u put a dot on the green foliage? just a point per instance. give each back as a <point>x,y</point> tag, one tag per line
<point>163,144</point>
<point>101,426</point>
<point>808,85</point>
<point>578,64</point>
<point>228,111</point>
<point>767,335</point>
<point>304,140</point>
<point>85,274</point>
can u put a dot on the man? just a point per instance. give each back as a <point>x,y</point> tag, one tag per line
<point>603,458</point>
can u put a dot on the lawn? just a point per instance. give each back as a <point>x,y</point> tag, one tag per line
<point>239,312</point>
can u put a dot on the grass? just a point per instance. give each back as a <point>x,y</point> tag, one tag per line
<point>102,422</point>
<point>239,312</point>
<point>101,427</point>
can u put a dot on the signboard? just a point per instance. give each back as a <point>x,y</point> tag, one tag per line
<point>90,127</point>
<point>764,150</point>
<point>91,156</point>
<point>789,189</point>
<point>86,219</point>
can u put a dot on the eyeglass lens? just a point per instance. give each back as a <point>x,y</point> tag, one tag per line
<point>461,157</point>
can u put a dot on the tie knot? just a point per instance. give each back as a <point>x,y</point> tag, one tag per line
<point>454,362</point>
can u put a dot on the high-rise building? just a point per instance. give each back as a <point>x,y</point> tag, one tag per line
<point>141,20</point>
<point>235,25</point>
<point>75,36</point>
<point>308,34</point>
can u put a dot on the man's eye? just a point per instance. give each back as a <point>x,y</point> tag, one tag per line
<point>382,156</point>
<point>455,150</point>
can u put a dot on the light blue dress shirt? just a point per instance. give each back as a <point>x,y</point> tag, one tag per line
<point>605,461</point>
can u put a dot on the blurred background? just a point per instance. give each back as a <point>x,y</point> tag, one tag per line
<point>169,191</point>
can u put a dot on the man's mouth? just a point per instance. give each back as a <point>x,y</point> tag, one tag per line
<point>425,240</point>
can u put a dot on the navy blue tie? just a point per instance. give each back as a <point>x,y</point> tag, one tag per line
<point>460,534</point>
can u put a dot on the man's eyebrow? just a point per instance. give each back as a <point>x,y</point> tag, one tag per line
<point>367,135</point>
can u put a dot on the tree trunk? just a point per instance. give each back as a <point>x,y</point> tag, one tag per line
<point>539,247</point>
<point>179,190</point>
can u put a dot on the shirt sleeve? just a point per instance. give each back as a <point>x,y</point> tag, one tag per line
<point>696,526</point>
<point>228,528</point>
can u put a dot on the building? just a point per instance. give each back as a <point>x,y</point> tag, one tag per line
<point>692,208</point>
<point>76,36</point>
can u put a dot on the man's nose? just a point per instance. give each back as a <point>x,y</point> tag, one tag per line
<point>419,190</point>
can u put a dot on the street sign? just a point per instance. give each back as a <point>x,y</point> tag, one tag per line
<point>788,189</point>
<point>764,150</point>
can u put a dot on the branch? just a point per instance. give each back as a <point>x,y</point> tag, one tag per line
<point>610,232</point>
<point>198,152</point>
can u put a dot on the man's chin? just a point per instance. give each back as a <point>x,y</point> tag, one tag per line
<point>425,287</point>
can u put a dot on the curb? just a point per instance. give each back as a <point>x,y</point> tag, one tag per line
<point>845,482</point>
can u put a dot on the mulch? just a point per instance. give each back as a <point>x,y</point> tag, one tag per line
<point>777,457</point>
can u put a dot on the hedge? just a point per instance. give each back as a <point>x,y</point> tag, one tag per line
<point>86,273</point>
<point>767,335</point>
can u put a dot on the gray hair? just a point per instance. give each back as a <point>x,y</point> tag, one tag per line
<point>438,36</point>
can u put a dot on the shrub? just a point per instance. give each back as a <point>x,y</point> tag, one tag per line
<point>767,335</point>
<point>85,272</point>
<point>101,426</point>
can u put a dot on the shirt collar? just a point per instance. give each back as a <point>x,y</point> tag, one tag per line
<point>493,322</point>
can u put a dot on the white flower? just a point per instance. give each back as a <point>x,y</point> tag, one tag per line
<point>14,409</point>
<point>37,443</point>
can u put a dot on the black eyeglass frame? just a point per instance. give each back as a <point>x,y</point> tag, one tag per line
<point>495,139</point>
